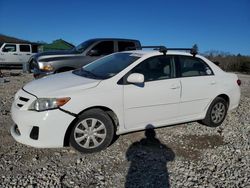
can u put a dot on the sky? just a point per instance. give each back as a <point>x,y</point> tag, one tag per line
<point>222,25</point>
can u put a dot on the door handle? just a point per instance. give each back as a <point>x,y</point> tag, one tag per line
<point>213,83</point>
<point>15,54</point>
<point>28,54</point>
<point>175,86</point>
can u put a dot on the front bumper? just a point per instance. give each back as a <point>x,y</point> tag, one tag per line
<point>52,124</point>
<point>11,66</point>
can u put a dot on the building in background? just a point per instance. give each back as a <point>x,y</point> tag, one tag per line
<point>8,39</point>
<point>56,45</point>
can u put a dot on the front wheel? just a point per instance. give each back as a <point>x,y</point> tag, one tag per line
<point>94,131</point>
<point>216,113</point>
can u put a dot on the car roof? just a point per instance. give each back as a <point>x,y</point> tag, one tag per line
<point>120,39</point>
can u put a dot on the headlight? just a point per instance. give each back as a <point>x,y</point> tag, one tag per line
<point>45,67</point>
<point>43,104</point>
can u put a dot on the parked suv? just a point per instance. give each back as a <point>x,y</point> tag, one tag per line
<point>47,63</point>
<point>14,55</point>
<point>121,93</point>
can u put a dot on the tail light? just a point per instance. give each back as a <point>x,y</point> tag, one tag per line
<point>239,82</point>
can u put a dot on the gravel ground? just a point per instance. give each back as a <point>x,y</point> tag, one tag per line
<point>186,155</point>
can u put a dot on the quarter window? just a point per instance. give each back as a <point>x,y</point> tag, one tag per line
<point>24,48</point>
<point>156,68</point>
<point>9,48</point>
<point>104,48</point>
<point>34,48</point>
<point>191,66</point>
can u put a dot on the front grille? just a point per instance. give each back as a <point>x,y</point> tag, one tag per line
<point>21,101</point>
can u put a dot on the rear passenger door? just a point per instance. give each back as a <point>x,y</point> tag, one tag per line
<point>198,85</point>
<point>157,100</point>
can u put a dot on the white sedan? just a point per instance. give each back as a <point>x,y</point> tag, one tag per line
<point>121,93</point>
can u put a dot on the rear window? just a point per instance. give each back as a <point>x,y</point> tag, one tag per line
<point>24,48</point>
<point>191,66</point>
<point>34,48</point>
<point>125,45</point>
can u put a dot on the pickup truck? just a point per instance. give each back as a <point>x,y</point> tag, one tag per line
<point>47,63</point>
<point>13,55</point>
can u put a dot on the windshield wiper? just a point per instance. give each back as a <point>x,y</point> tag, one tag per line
<point>91,74</point>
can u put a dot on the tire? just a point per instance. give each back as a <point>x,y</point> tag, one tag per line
<point>84,133</point>
<point>30,66</point>
<point>216,113</point>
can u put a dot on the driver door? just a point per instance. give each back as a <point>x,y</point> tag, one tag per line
<point>157,101</point>
<point>97,51</point>
<point>9,54</point>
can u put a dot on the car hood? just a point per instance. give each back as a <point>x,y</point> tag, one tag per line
<point>59,85</point>
<point>51,54</point>
<point>62,52</point>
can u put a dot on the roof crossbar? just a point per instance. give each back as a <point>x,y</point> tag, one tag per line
<point>164,49</point>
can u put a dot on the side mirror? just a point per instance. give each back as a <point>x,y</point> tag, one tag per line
<point>136,78</point>
<point>93,53</point>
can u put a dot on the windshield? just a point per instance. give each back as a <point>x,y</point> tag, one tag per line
<point>108,66</point>
<point>83,46</point>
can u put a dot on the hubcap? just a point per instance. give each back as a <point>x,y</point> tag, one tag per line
<point>90,133</point>
<point>218,112</point>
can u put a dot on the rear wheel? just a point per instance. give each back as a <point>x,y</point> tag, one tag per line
<point>94,131</point>
<point>216,113</point>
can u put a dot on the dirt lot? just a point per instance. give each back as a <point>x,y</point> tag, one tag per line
<point>186,155</point>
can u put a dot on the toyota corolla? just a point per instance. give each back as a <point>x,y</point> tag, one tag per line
<point>121,93</point>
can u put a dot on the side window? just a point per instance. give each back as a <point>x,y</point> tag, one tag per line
<point>191,66</point>
<point>103,48</point>
<point>124,45</point>
<point>156,68</point>
<point>24,48</point>
<point>9,48</point>
<point>34,48</point>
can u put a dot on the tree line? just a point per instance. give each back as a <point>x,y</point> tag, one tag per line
<point>230,62</point>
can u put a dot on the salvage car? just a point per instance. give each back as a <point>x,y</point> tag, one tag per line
<point>121,93</point>
<point>47,63</point>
